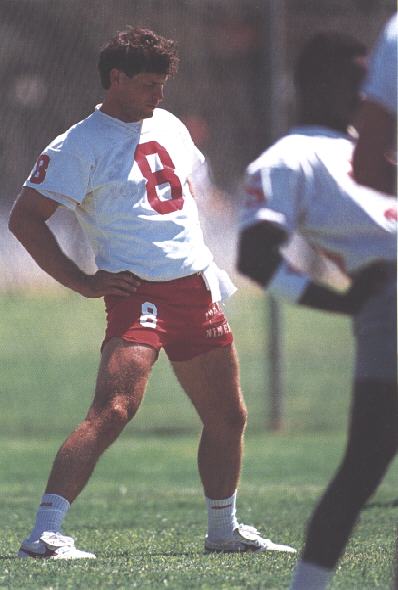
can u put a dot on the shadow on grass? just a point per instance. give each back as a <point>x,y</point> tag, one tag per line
<point>387,504</point>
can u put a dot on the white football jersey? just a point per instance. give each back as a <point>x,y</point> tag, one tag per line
<point>303,184</point>
<point>128,186</point>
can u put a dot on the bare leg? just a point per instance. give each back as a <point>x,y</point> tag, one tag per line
<point>211,381</point>
<point>372,444</point>
<point>121,382</point>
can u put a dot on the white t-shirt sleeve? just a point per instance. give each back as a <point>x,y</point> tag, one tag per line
<point>381,83</point>
<point>63,173</point>
<point>271,193</point>
<point>59,198</point>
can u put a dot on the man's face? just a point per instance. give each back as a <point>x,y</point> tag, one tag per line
<point>136,97</point>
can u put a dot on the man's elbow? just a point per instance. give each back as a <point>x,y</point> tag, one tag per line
<point>14,223</point>
<point>18,222</point>
<point>246,268</point>
<point>247,260</point>
<point>242,261</point>
<point>258,252</point>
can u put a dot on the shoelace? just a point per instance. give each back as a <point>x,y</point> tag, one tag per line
<point>57,540</point>
<point>248,529</point>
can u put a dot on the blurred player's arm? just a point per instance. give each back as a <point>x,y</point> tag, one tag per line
<point>259,259</point>
<point>28,223</point>
<point>375,152</point>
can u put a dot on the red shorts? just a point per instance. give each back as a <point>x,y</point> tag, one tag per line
<point>178,316</point>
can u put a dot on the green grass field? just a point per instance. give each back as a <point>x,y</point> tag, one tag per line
<point>143,511</point>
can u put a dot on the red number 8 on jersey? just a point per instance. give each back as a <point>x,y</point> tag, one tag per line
<point>154,179</point>
<point>39,172</point>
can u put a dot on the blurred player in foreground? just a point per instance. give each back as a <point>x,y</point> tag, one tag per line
<point>304,183</point>
<point>125,172</point>
<point>375,154</point>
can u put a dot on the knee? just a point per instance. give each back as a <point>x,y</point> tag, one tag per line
<point>238,420</point>
<point>388,447</point>
<point>232,422</point>
<point>383,451</point>
<point>373,439</point>
<point>113,416</point>
<point>118,414</point>
<point>241,418</point>
<point>363,472</point>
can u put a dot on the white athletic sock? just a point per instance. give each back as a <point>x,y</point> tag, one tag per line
<point>308,576</point>
<point>221,518</point>
<point>49,517</point>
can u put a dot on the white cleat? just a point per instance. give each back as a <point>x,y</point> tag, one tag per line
<point>245,538</point>
<point>53,546</point>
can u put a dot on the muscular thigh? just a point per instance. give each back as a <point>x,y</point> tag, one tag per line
<point>211,380</point>
<point>123,373</point>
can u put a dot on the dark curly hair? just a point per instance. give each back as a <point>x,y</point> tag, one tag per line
<point>324,56</point>
<point>137,50</point>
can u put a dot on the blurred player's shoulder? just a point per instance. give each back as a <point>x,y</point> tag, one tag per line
<point>304,145</point>
<point>391,31</point>
<point>309,139</point>
<point>287,152</point>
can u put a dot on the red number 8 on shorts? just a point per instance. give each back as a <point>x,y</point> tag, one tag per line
<point>149,315</point>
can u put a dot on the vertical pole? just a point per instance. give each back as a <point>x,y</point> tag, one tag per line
<point>276,366</point>
<point>278,120</point>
